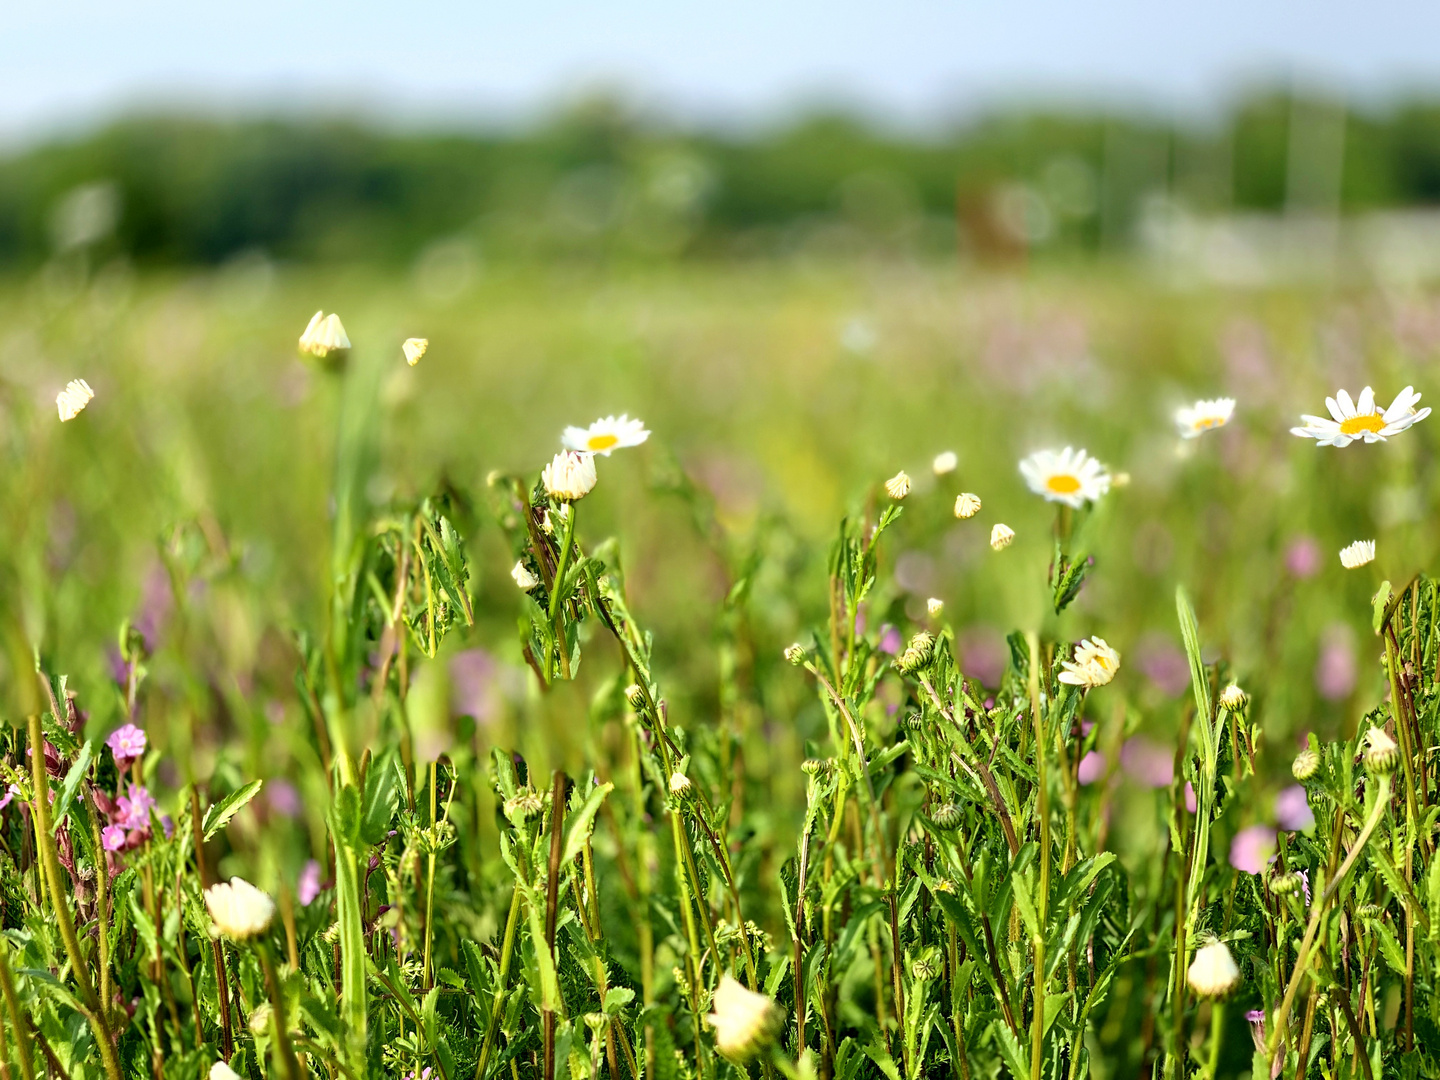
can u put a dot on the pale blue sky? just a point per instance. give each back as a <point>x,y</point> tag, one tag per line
<point>69,61</point>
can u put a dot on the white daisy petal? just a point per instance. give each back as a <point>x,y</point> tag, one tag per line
<point>1071,477</point>
<point>604,435</point>
<point>1361,420</point>
<point>1366,402</point>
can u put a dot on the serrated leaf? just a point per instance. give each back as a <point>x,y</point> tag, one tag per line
<point>578,831</point>
<point>1378,603</point>
<point>219,815</point>
<point>65,796</point>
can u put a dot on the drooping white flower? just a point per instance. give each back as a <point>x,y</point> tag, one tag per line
<point>238,909</point>
<point>606,434</point>
<point>1213,973</point>
<point>323,335</point>
<point>934,606</point>
<point>1000,537</point>
<point>1361,418</point>
<point>1194,420</point>
<point>72,400</point>
<point>1357,554</point>
<point>967,504</point>
<point>898,486</point>
<point>221,1071</point>
<point>414,348</point>
<point>1071,476</point>
<point>745,1022</point>
<point>570,476</point>
<point>523,577</point>
<point>945,462</point>
<point>1095,664</point>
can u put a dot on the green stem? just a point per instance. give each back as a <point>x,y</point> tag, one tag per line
<point>279,1025</point>
<point>507,950</point>
<point>428,975</point>
<point>1217,1029</point>
<point>560,567</point>
<point>50,862</point>
<point>1042,810</point>
<point>17,1020</point>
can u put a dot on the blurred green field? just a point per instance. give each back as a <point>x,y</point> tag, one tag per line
<point>192,497</point>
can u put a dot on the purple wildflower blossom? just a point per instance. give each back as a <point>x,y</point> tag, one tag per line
<point>127,744</point>
<point>309,886</point>
<point>1292,809</point>
<point>1092,767</point>
<point>1251,849</point>
<point>112,837</point>
<point>135,808</point>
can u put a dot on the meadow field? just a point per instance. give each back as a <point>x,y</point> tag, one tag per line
<point>929,849</point>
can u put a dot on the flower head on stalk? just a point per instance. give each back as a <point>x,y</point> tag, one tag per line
<point>606,434</point>
<point>1095,664</point>
<point>1362,418</point>
<point>1068,476</point>
<point>238,909</point>
<point>127,744</point>
<point>1213,973</point>
<point>745,1023</point>
<point>414,349</point>
<point>72,400</point>
<point>1353,556</point>
<point>1194,420</point>
<point>323,335</point>
<point>570,476</point>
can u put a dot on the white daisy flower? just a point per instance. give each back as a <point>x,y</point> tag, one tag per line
<point>1000,537</point>
<point>1356,555</point>
<point>523,577</point>
<point>569,476</point>
<point>1213,973</point>
<point>414,348</point>
<point>945,462</point>
<point>745,1023</point>
<point>967,504</point>
<point>1195,420</point>
<point>72,400</point>
<point>238,909</point>
<point>1071,476</point>
<point>1095,664</point>
<point>898,486</point>
<point>323,335</point>
<point>605,435</point>
<point>1361,418</point>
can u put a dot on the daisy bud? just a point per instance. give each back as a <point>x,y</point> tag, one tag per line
<point>945,463</point>
<point>1306,764</point>
<point>1370,911</point>
<point>221,1071</point>
<point>238,909</point>
<point>1285,884</point>
<point>636,696</point>
<point>815,766</point>
<point>745,1023</point>
<point>523,577</point>
<point>934,606</point>
<point>1000,537</point>
<point>898,486</point>
<point>967,505</point>
<point>946,816</point>
<point>414,348</point>
<point>1213,973</point>
<point>917,655</point>
<point>1232,698</point>
<point>260,1019</point>
<point>72,400</point>
<point>913,722</point>
<point>523,806</point>
<point>1357,554</point>
<point>1381,755</point>
<point>680,787</point>
<point>795,654</point>
<point>924,969</point>
<point>1120,479</point>
<point>570,476</point>
<point>323,335</point>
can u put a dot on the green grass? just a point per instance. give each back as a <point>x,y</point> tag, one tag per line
<point>196,497</point>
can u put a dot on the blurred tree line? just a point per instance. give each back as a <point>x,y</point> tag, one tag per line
<point>601,179</point>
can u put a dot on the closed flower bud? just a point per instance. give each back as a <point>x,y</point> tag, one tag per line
<point>1232,698</point>
<point>681,789</point>
<point>1370,911</point>
<point>522,807</point>
<point>414,348</point>
<point>898,486</point>
<point>924,969</point>
<point>795,654</point>
<point>946,816</point>
<point>1381,754</point>
<point>945,462</point>
<point>917,654</point>
<point>569,476</point>
<point>238,909</point>
<point>815,767</point>
<point>635,696</point>
<point>1001,536</point>
<point>260,1019</point>
<point>1285,884</point>
<point>913,722</point>
<point>745,1023</point>
<point>523,577</point>
<point>1306,764</point>
<point>967,505</point>
<point>221,1071</point>
<point>1213,973</point>
<point>323,335</point>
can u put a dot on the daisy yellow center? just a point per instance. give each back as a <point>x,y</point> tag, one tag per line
<point>602,442</point>
<point>1063,484</point>
<point>1356,424</point>
<point>1206,422</point>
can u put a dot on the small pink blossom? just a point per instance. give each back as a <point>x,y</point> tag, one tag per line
<point>1251,849</point>
<point>309,887</point>
<point>1092,767</point>
<point>10,793</point>
<point>1335,669</point>
<point>135,808</point>
<point>127,744</point>
<point>1292,809</point>
<point>112,837</point>
<point>1190,801</point>
<point>1147,762</point>
<point>1302,557</point>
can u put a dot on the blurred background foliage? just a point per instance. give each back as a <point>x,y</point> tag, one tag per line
<point>603,177</point>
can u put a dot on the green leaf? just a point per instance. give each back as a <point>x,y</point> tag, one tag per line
<point>382,797</point>
<point>582,822</point>
<point>1190,632</point>
<point>1378,604</point>
<point>66,795</point>
<point>144,927</point>
<point>616,998</point>
<point>219,815</point>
